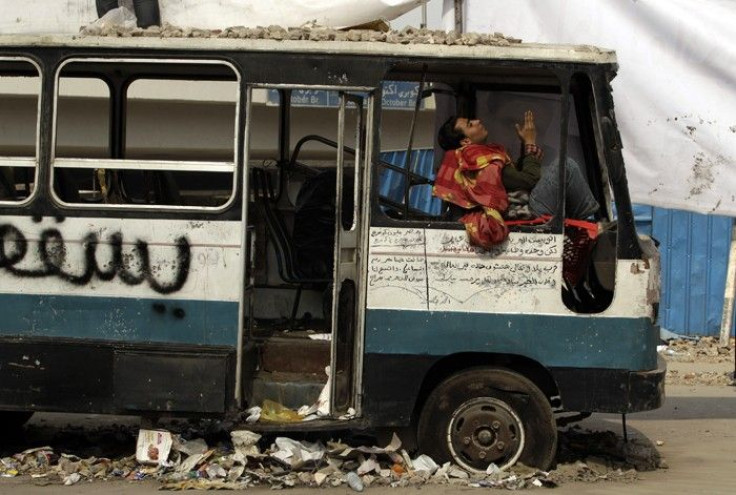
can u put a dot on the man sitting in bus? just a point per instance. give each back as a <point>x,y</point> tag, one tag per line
<point>476,174</point>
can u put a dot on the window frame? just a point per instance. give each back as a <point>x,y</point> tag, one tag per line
<point>143,164</point>
<point>26,162</point>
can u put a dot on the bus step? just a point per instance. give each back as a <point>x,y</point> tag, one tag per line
<point>291,390</point>
<point>291,355</point>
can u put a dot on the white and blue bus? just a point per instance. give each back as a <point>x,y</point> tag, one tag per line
<point>191,227</point>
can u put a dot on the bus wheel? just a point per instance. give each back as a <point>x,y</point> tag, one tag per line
<point>486,415</point>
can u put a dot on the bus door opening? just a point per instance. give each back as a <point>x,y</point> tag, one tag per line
<point>306,160</point>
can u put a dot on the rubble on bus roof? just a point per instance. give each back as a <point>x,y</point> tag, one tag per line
<point>408,35</point>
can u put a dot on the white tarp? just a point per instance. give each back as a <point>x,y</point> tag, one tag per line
<point>67,16</point>
<point>216,14</point>
<point>675,92</point>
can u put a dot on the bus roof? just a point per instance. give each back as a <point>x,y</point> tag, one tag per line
<point>486,47</point>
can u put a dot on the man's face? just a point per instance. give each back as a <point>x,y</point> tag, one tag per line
<point>473,130</point>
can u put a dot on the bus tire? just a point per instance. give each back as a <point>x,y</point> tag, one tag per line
<point>488,415</point>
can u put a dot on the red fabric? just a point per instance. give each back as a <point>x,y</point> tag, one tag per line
<point>470,177</point>
<point>484,228</point>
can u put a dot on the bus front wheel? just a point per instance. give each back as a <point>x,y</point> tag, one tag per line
<point>488,415</point>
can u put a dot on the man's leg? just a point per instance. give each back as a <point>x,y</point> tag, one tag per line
<point>105,6</point>
<point>580,202</point>
<point>147,12</point>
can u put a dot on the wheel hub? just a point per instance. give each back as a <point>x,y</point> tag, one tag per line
<point>485,430</point>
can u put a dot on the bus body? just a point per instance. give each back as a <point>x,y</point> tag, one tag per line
<point>170,254</point>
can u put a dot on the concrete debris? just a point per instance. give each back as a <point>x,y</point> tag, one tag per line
<point>591,455</point>
<point>408,35</point>
<point>691,353</point>
<point>702,349</point>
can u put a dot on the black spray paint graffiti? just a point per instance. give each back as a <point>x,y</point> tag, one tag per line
<point>52,254</point>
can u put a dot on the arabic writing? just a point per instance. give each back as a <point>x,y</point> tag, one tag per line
<point>48,257</point>
<point>532,245</point>
<point>493,274</point>
<point>397,271</point>
<point>397,238</point>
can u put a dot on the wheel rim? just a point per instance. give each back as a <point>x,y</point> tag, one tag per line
<point>485,430</point>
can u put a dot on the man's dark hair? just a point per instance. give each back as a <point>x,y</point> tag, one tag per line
<point>448,136</point>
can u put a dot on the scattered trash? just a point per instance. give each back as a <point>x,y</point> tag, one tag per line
<point>153,446</point>
<point>493,469</point>
<point>276,413</point>
<point>72,479</point>
<point>354,481</point>
<point>253,414</point>
<point>240,460</point>
<point>370,465</point>
<point>245,443</point>
<point>191,447</point>
<point>295,454</point>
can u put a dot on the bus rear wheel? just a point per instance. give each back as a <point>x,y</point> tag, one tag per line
<point>488,415</point>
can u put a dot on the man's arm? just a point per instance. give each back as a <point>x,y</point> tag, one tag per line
<point>526,172</point>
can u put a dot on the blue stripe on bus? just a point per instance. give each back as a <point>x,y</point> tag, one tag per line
<point>120,319</point>
<point>553,341</point>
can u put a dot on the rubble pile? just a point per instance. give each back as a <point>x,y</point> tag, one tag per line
<point>605,455</point>
<point>704,351</point>
<point>408,35</point>
<point>247,460</point>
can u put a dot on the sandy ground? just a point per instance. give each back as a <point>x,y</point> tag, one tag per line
<point>694,433</point>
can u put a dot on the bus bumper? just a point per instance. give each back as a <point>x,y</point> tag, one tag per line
<point>611,390</point>
<point>646,388</point>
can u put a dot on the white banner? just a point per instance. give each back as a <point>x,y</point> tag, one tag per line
<point>67,16</point>
<point>675,92</point>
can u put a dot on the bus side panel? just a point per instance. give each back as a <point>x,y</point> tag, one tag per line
<point>118,314</point>
<point>100,377</point>
<point>431,296</point>
<point>402,346</point>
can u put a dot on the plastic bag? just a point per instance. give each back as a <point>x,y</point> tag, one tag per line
<point>276,413</point>
<point>121,17</point>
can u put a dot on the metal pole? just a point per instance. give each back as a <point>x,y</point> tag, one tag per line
<point>625,430</point>
<point>730,293</point>
<point>424,16</point>
<point>459,19</point>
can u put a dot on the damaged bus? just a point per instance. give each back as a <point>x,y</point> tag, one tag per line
<point>193,227</point>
